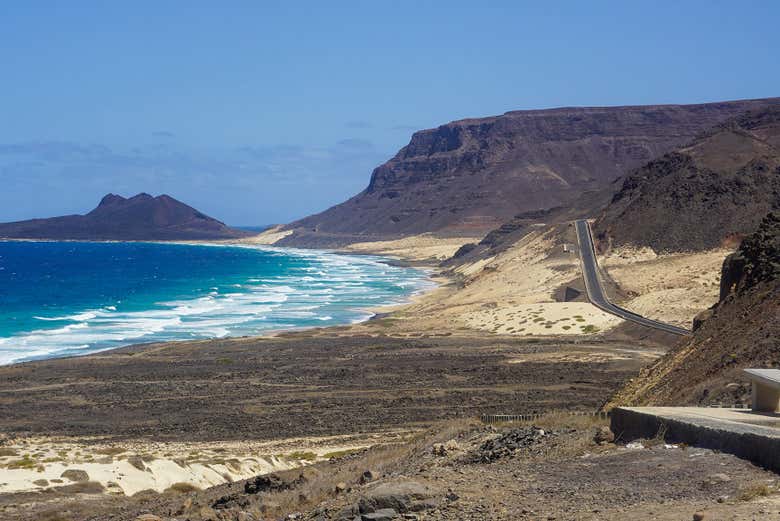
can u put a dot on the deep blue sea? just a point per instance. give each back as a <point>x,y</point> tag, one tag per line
<point>71,298</point>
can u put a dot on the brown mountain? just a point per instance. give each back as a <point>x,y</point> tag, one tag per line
<point>141,217</point>
<point>714,190</point>
<point>740,331</point>
<point>475,174</point>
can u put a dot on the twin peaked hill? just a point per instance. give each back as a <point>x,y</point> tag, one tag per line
<point>141,217</point>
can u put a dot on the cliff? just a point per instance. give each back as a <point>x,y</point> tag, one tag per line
<point>475,174</point>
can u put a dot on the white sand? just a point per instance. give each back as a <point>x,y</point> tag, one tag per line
<point>268,237</point>
<point>673,288</point>
<point>116,465</point>
<point>509,293</point>
<point>426,246</point>
<point>549,318</point>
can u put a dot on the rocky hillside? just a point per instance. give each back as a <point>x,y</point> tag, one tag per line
<point>709,193</point>
<point>475,174</point>
<point>141,217</point>
<point>740,331</point>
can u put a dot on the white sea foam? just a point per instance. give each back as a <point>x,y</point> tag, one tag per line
<point>319,287</point>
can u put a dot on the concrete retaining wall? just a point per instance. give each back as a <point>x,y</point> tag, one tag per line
<point>742,441</point>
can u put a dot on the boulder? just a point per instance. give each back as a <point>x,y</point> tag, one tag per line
<point>718,478</point>
<point>702,317</point>
<point>75,475</point>
<point>348,513</point>
<point>604,435</point>
<point>385,514</point>
<point>406,496</point>
<point>272,483</point>
<point>442,449</point>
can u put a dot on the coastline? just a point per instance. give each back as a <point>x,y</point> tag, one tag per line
<point>424,285</point>
<point>408,367</point>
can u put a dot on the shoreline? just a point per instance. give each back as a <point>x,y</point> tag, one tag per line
<point>407,367</point>
<point>427,285</point>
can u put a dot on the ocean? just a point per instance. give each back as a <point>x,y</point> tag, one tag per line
<point>72,298</point>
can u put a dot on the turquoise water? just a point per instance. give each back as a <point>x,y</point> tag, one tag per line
<point>71,298</point>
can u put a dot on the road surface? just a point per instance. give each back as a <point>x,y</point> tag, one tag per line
<point>596,295</point>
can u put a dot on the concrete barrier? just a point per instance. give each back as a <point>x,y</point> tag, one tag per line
<point>754,442</point>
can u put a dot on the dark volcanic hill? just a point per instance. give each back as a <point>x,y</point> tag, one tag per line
<point>712,191</point>
<point>741,331</point>
<point>141,217</point>
<point>478,173</point>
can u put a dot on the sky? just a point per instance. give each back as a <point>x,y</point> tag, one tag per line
<point>264,112</point>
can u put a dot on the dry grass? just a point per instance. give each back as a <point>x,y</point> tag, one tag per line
<point>299,456</point>
<point>387,459</point>
<point>110,451</point>
<point>181,488</point>
<point>379,460</point>
<point>754,490</point>
<point>562,420</point>
<point>53,515</point>
<point>340,453</point>
<point>25,462</point>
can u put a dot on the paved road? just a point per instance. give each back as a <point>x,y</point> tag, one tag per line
<point>595,291</point>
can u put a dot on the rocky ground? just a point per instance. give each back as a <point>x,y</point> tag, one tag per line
<point>557,467</point>
<point>172,416</point>
<point>307,384</point>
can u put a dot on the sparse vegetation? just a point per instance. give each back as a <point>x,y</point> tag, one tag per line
<point>110,451</point>
<point>382,322</point>
<point>181,488</point>
<point>26,462</point>
<point>753,491</point>
<point>340,453</point>
<point>300,455</point>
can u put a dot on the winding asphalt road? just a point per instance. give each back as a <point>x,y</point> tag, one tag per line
<point>596,294</point>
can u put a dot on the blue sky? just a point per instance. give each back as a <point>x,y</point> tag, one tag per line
<point>261,112</point>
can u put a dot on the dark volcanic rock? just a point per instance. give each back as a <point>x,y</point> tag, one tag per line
<point>757,259</point>
<point>475,174</point>
<point>142,217</point>
<point>400,497</point>
<point>272,483</point>
<point>509,443</point>
<point>740,331</point>
<point>711,192</point>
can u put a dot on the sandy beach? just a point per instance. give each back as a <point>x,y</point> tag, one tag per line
<point>495,335</point>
